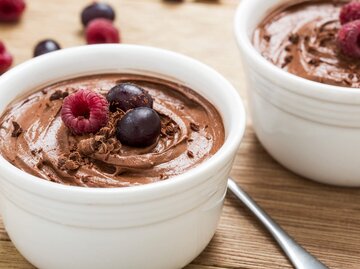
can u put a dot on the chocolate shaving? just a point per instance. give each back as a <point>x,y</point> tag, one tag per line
<point>288,59</point>
<point>40,164</point>
<point>195,127</point>
<point>294,38</point>
<point>61,162</point>
<point>17,129</point>
<point>315,62</point>
<point>190,154</point>
<point>71,165</point>
<point>267,38</point>
<point>288,48</point>
<point>170,130</point>
<point>58,95</point>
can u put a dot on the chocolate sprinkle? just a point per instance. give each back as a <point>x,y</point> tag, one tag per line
<point>58,95</point>
<point>195,127</point>
<point>267,38</point>
<point>17,129</point>
<point>315,62</point>
<point>190,154</point>
<point>294,38</point>
<point>287,60</point>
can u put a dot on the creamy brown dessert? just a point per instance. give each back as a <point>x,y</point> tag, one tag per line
<point>34,138</point>
<point>301,37</point>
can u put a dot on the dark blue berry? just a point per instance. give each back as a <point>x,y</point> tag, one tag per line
<point>95,11</point>
<point>46,46</point>
<point>139,127</point>
<point>127,96</point>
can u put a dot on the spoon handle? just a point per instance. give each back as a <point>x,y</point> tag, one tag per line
<point>299,257</point>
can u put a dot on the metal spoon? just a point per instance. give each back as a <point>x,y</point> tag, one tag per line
<point>299,257</point>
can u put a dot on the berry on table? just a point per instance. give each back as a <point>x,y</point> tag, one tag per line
<point>126,96</point>
<point>11,10</point>
<point>348,39</point>
<point>85,112</point>
<point>139,127</point>
<point>350,12</point>
<point>101,31</point>
<point>46,46</point>
<point>95,11</point>
<point>5,58</point>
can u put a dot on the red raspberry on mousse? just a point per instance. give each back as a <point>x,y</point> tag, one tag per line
<point>85,112</point>
<point>350,12</point>
<point>348,39</point>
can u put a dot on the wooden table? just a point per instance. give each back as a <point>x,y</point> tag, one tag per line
<point>324,219</point>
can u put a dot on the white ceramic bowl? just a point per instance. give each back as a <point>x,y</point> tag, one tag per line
<point>160,225</point>
<point>311,128</point>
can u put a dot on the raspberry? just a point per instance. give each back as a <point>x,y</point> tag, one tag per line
<point>5,59</point>
<point>11,10</point>
<point>102,31</point>
<point>349,39</point>
<point>350,12</point>
<point>85,112</point>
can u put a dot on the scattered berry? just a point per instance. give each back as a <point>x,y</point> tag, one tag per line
<point>126,96</point>
<point>85,112</point>
<point>102,31</point>
<point>139,127</point>
<point>348,39</point>
<point>95,11</point>
<point>46,46</point>
<point>5,59</point>
<point>11,10</point>
<point>350,12</point>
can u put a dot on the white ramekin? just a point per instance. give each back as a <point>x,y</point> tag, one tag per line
<point>311,128</point>
<point>160,225</point>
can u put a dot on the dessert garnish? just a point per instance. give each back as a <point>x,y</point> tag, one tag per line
<point>350,12</point>
<point>349,34</point>
<point>140,127</point>
<point>95,11</point>
<point>85,112</point>
<point>126,96</point>
<point>11,10</point>
<point>17,129</point>
<point>46,46</point>
<point>348,39</point>
<point>101,31</point>
<point>5,58</point>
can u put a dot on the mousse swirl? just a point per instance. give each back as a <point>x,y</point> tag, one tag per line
<point>191,132</point>
<point>301,38</point>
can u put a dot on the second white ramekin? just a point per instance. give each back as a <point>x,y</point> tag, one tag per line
<point>311,128</point>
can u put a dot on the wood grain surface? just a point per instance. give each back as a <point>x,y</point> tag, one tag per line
<point>324,219</point>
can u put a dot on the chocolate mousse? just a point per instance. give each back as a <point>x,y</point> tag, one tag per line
<point>301,37</point>
<point>38,135</point>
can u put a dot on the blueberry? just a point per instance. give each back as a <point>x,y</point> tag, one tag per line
<point>46,46</point>
<point>126,96</point>
<point>139,127</point>
<point>97,10</point>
